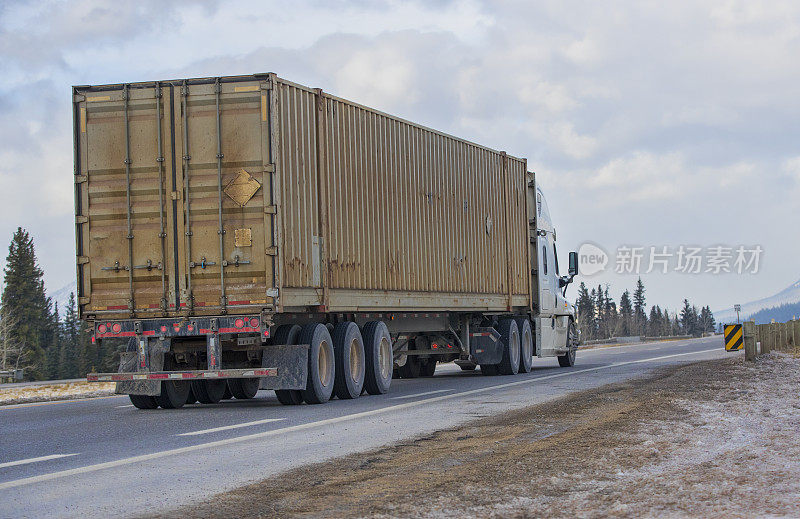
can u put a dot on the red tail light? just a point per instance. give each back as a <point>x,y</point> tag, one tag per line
<point>239,323</point>
<point>116,328</point>
<point>102,328</point>
<point>254,322</point>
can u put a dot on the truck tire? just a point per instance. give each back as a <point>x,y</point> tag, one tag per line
<point>509,334</point>
<point>287,334</point>
<point>378,356</point>
<point>427,364</point>
<point>413,365</point>
<point>143,402</point>
<point>173,394</point>
<point>209,391</point>
<point>321,364</point>
<point>243,388</point>
<point>348,350</point>
<point>489,370</point>
<point>227,395</point>
<point>191,399</point>
<point>427,367</point>
<point>411,368</point>
<point>568,359</point>
<point>525,345</point>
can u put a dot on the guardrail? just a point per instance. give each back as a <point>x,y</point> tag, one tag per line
<point>764,338</point>
<point>635,338</point>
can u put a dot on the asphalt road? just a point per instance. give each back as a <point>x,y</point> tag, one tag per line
<point>102,455</point>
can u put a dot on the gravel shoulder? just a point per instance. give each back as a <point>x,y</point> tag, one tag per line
<point>710,439</point>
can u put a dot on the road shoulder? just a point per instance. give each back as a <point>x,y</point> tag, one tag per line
<point>700,439</point>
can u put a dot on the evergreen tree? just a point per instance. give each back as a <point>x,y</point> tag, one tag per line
<point>24,302</point>
<point>71,358</point>
<point>609,312</point>
<point>654,322</point>
<point>688,319</point>
<point>706,322</point>
<point>626,314</point>
<point>585,307</point>
<point>55,350</point>
<point>640,318</point>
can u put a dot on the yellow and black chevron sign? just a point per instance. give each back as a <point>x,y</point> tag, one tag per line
<point>733,337</point>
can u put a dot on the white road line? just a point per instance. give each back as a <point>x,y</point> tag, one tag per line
<point>229,427</point>
<point>124,406</point>
<point>310,425</point>
<point>34,460</point>
<point>421,394</point>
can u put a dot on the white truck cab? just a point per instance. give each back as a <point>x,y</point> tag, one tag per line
<point>556,332</point>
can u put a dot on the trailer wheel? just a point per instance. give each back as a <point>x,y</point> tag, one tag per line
<point>427,367</point>
<point>379,357</point>
<point>289,396</point>
<point>209,391</point>
<point>489,369</point>
<point>525,345</point>
<point>143,401</point>
<point>227,395</point>
<point>287,334</point>
<point>568,359</point>
<point>411,368</point>
<point>173,394</point>
<point>509,334</point>
<point>321,365</point>
<point>348,348</point>
<point>243,388</point>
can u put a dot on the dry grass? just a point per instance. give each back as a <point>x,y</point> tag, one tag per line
<point>687,442</point>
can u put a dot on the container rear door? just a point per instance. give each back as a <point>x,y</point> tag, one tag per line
<point>124,226</point>
<point>228,241</point>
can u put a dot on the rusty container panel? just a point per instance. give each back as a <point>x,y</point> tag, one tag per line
<point>380,213</point>
<point>227,245</point>
<point>174,198</point>
<point>125,265</point>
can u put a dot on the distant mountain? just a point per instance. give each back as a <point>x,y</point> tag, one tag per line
<point>61,296</point>
<point>781,314</point>
<point>787,296</point>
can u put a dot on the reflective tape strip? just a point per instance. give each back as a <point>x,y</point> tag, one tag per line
<point>183,375</point>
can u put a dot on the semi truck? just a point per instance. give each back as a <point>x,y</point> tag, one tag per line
<point>247,232</point>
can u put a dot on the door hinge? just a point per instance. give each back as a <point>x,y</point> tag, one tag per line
<point>82,260</point>
<point>81,219</point>
<point>269,168</point>
<point>175,195</point>
<point>271,209</point>
<point>84,300</point>
<point>272,251</point>
<point>80,179</point>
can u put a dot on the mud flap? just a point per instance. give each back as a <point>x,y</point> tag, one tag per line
<point>486,346</point>
<point>129,363</point>
<point>291,362</point>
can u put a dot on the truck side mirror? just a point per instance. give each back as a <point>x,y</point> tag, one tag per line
<point>573,263</point>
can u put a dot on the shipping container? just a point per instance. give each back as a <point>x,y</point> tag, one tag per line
<point>199,200</point>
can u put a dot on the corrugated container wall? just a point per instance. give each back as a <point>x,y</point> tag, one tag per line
<point>324,203</point>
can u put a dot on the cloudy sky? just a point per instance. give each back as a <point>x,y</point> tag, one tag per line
<point>649,124</point>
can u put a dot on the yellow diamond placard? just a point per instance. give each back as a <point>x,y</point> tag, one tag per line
<point>242,187</point>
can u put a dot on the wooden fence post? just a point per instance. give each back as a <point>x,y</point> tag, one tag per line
<point>748,331</point>
<point>782,337</point>
<point>770,338</point>
<point>796,336</point>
